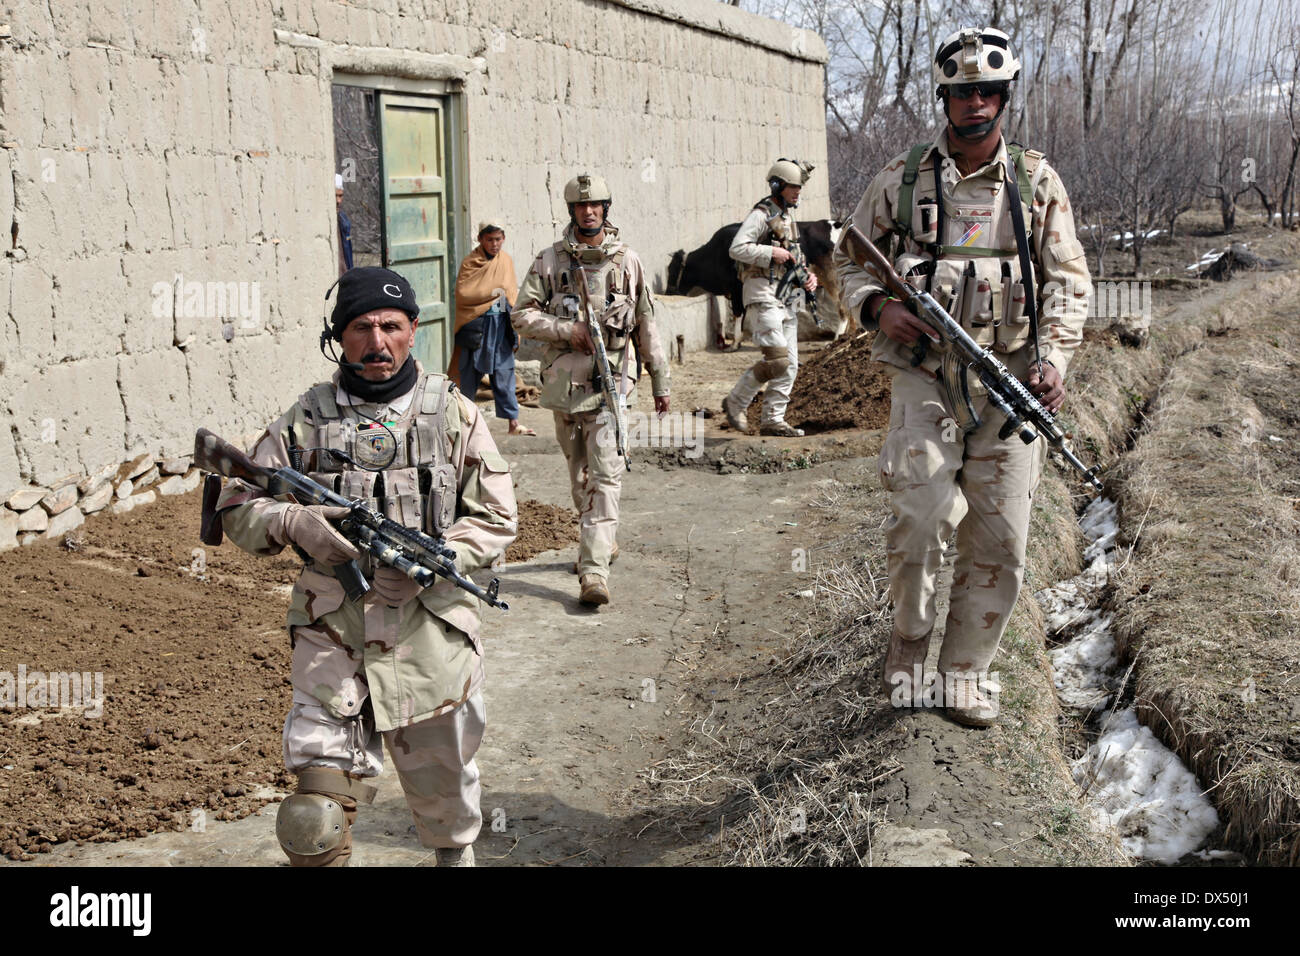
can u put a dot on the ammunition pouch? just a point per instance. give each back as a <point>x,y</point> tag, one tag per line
<point>418,487</point>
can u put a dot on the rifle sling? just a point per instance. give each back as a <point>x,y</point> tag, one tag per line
<point>1026,267</point>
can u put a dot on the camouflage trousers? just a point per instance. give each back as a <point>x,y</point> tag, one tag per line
<point>773,327</point>
<point>434,759</point>
<point>596,481</point>
<point>941,481</point>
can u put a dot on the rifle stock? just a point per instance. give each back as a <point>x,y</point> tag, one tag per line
<point>213,453</point>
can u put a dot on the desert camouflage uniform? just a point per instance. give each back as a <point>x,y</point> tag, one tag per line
<point>546,309</point>
<point>941,481</point>
<point>774,324</point>
<point>361,670</point>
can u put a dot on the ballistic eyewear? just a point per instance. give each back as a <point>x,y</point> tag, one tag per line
<point>964,91</point>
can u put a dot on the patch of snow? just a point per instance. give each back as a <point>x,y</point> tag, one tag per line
<point>1127,238</point>
<point>1208,855</point>
<point>1100,518</point>
<point>1082,669</point>
<point>1205,260</point>
<point>1067,603</point>
<point>1138,785</point>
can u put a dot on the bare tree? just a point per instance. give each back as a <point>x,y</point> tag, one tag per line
<point>1145,106</point>
<point>1284,68</point>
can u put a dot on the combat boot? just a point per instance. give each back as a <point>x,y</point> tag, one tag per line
<point>780,430</point>
<point>594,590</point>
<point>455,856</point>
<point>968,703</point>
<point>613,556</point>
<point>735,415</point>
<point>903,670</point>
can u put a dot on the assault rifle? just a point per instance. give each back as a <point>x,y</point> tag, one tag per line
<point>1024,413</point>
<point>420,557</point>
<point>796,276</point>
<point>614,400</point>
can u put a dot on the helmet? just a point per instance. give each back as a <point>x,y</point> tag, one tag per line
<point>586,188</point>
<point>975,55</point>
<point>788,172</point>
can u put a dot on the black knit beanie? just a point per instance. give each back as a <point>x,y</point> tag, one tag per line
<point>367,288</point>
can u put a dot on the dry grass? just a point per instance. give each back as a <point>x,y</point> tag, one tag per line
<point>1210,601</point>
<point>791,781</point>
<point>795,779</point>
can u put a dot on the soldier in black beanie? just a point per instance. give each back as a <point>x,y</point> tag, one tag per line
<point>376,338</point>
<point>402,664</point>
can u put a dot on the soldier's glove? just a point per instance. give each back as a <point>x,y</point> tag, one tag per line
<point>394,586</point>
<point>308,526</point>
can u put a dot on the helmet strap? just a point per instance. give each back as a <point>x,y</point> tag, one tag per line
<point>589,233</point>
<point>977,130</point>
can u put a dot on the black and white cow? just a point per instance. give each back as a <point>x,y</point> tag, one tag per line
<point>711,269</point>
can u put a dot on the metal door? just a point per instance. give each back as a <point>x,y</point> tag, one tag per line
<point>414,132</point>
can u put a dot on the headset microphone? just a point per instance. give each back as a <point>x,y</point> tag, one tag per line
<point>327,336</point>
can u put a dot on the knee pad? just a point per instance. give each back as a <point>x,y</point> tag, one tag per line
<point>313,829</point>
<point>775,362</point>
<point>314,825</point>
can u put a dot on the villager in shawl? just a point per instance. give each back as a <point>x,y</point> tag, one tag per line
<point>485,339</point>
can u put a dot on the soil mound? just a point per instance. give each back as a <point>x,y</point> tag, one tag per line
<point>542,527</point>
<point>838,387</point>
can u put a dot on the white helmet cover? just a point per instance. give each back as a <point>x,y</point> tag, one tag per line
<point>975,55</point>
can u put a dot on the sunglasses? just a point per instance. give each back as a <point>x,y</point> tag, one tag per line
<point>964,91</point>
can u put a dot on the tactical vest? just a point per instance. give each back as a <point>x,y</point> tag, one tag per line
<point>418,488</point>
<point>966,248</point>
<point>784,232</point>
<point>614,298</point>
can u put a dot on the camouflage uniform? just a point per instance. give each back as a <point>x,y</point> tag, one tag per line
<point>774,324</point>
<point>412,673</point>
<point>940,480</point>
<point>547,307</point>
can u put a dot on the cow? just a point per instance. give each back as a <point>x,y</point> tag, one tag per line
<point>710,268</point>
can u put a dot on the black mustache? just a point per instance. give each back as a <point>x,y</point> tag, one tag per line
<point>377,357</point>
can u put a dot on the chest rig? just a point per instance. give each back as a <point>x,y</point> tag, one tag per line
<point>607,282</point>
<point>969,242</point>
<point>782,230</point>
<point>418,488</point>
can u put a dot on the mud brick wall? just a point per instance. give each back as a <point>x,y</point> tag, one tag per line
<point>158,158</point>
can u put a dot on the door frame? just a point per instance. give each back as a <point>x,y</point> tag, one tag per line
<point>459,233</point>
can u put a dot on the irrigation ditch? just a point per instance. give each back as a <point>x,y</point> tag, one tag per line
<point>1174,647</point>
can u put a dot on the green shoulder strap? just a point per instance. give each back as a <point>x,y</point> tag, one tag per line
<point>903,211</point>
<point>1017,154</point>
